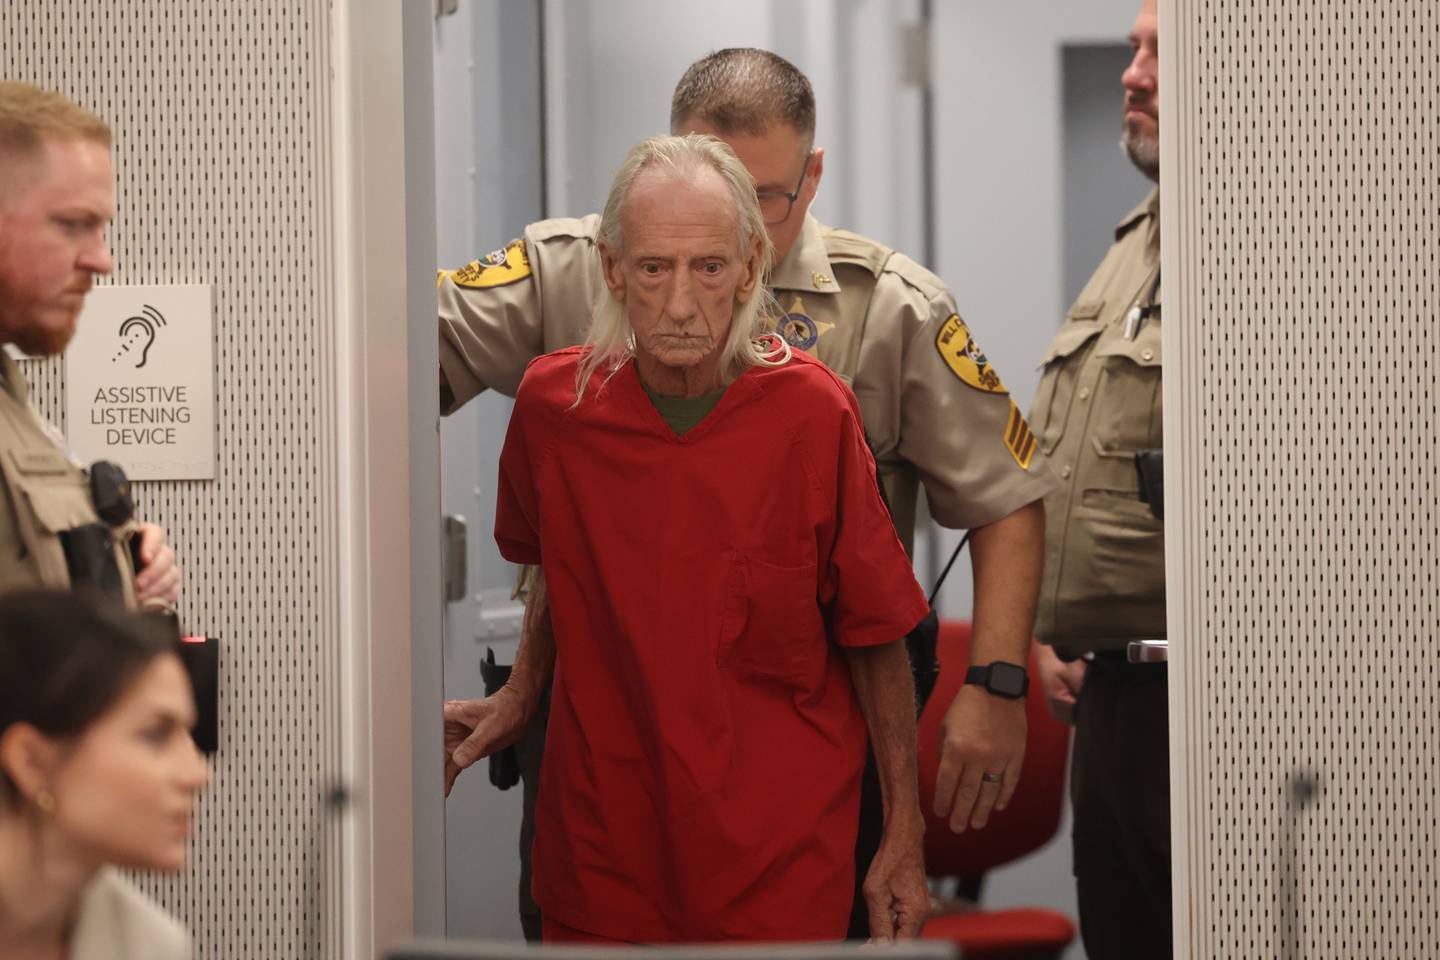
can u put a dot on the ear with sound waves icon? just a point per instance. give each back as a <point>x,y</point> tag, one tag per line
<point>138,333</point>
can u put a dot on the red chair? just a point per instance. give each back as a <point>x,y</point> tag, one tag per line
<point>1029,822</point>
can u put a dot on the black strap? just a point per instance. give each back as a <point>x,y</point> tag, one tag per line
<point>958,547</point>
<point>946,572</point>
<point>1152,300</point>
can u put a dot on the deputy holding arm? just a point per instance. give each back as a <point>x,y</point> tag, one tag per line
<point>935,411</point>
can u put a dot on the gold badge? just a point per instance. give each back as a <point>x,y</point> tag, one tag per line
<point>965,358</point>
<point>496,269</point>
<point>1018,438</point>
<point>820,280</point>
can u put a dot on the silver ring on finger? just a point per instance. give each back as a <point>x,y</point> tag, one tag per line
<point>993,777</point>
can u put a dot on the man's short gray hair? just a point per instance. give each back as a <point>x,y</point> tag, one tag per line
<point>610,342</point>
<point>744,90</point>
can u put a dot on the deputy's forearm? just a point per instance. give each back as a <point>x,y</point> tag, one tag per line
<point>1007,557</point>
<point>886,692</point>
<point>535,658</point>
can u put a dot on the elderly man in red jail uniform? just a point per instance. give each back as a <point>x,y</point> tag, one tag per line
<point>723,591</point>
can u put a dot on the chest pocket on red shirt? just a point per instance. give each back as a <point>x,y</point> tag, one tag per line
<point>770,624</point>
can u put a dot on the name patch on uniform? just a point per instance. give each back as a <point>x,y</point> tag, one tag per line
<point>495,269</point>
<point>965,358</point>
<point>1018,438</point>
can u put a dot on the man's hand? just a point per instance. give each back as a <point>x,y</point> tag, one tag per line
<point>981,734</point>
<point>474,729</point>
<point>159,577</point>
<point>895,889</point>
<point>478,728</point>
<point>1061,682</point>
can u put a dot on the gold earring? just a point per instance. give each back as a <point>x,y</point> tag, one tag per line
<point>45,800</point>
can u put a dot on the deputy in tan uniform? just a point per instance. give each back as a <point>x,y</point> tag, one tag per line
<point>935,410</point>
<point>1098,405</point>
<point>57,196</point>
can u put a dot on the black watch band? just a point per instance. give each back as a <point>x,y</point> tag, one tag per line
<point>1008,680</point>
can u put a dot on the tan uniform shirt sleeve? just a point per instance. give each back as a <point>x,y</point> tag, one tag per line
<point>951,415</point>
<point>500,312</point>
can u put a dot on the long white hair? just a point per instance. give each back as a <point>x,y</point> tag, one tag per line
<point>610,344</point>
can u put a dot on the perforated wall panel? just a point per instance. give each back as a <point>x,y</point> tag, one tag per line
<point>1302,269</point>
<point>221,113</point>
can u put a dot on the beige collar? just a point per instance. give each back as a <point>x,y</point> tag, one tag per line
<point>806,268</point>
<point>1149,207</point>
<point>11,379</point>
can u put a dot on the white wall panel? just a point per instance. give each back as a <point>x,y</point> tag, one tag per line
<point>222,118</point>
<point>1302,266</point>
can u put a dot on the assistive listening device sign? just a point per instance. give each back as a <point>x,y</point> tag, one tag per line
<point>140,381</point>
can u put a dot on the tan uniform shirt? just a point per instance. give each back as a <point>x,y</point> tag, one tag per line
<point>935,411</point>
<point>41,494</point>
<point>1098,402</point>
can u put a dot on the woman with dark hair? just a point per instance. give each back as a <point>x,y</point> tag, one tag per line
<point>97,771</point>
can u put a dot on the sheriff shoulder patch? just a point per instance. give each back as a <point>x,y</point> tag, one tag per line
<point>965,358</point>
<point>1018,438</point>
<point>496,269</point>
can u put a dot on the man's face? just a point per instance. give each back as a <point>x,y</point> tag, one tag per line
<point>680,272</point>
<point>1142,94</point>
<point>52,242</point>
<point>777,161</point>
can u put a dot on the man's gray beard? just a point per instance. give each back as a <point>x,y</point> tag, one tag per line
<point>1145,154</point>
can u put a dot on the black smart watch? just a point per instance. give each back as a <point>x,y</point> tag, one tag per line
<point>1008,680</point>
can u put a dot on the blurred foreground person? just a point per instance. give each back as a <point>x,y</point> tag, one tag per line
<point>97,771</point>
<point>722,598</point>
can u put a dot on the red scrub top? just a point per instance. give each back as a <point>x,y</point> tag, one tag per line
<point>702,766</point>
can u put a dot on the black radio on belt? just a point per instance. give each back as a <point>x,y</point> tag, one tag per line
<point>1150,468</point>
<point>90,559</point>
<point>504,764</point>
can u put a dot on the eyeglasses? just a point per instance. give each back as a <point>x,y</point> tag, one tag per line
<point>776,207</point>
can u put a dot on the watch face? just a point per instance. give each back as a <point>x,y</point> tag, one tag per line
<point>1007,679</point>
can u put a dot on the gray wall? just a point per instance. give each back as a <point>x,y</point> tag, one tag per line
<point>610,85</point>
<point>1100,185</point>
<point>487,132</point>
